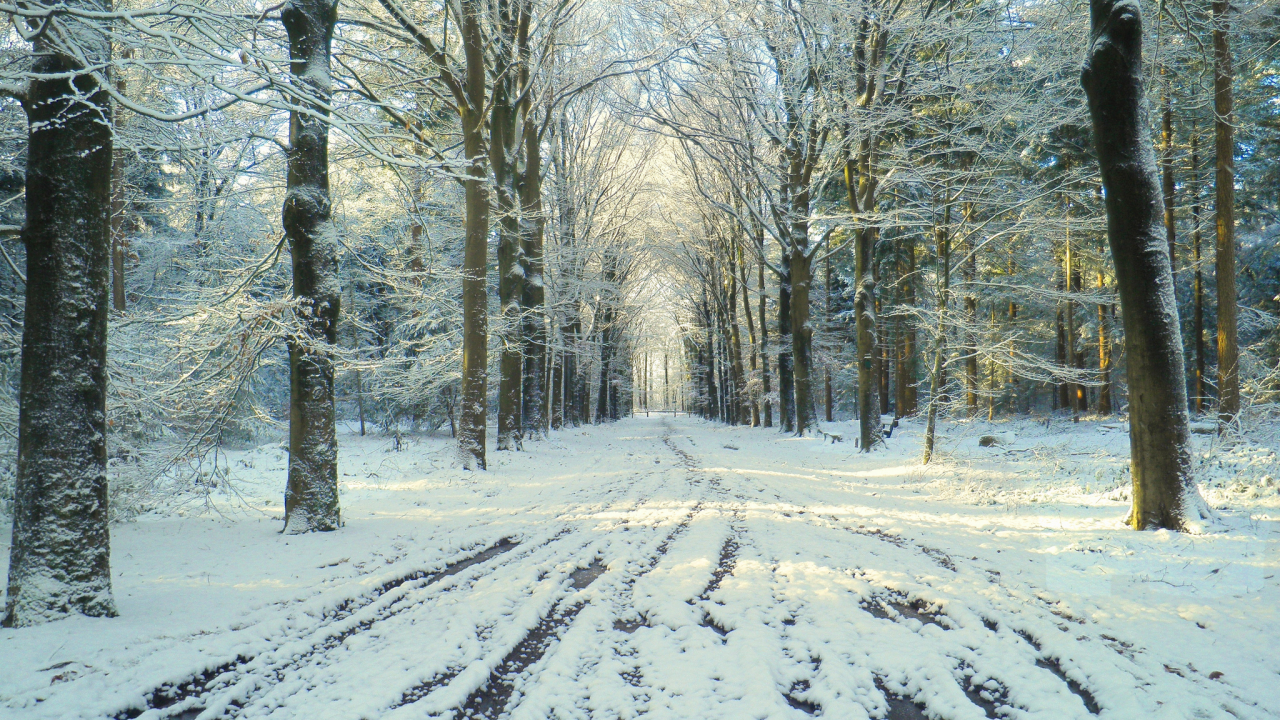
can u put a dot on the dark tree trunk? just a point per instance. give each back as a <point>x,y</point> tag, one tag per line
<point>533,300</point>
<point>786,381</point>
<point>802,333</point>
<point>311,499</point>
<point>828,308</point>
<point>504,150</point>
<point>1224,208</point>
<point>909,342</point>
<point>1197,238</point>
<point>475,301</point>
<point>969,273</point>
<point>1164,492</point>
<point>751,333</point>
<point>118,240</point>
<point>1104,353</point>
<point>59,562</point>
<point>864,311</point>
<point>937,374</point>
<point>1167,181</point>
<point>765,381</point>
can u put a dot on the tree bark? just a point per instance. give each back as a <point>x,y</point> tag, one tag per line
<point>751,335</point>
<point>311,499</point>
<point>767,408</point>
<point>59,560</point>
<point>1104,354</point>
<point>533,299</point>
<point>1164,492</point>
<point>942,238</point>
<point>786,380</point>
<point>1197,238</point>
<point>801,329</point>
<point>1167,180</point>
<point>475,310</point>
<point>1224,183</point>
<point>505,147</point>
<point>969,273</point>
<point>118,240</point>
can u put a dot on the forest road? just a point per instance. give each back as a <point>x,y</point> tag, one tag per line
<point>681,570</point>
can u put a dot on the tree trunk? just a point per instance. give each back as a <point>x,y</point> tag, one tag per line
<point>911,393</point>
<point>828,395</point>
<point>59,562</point>
<point>1164,492</point>
<point>1104,354</point>
<point>786,381</point>
<point>943,238</point>
<point>969,273</point>
<point>118,240</point>
<point>1224,183</point>
<point>767,409</point>
<point>1197,238</point>
<point>475,310</point>
<point>864,327</point>
<point>751,334</point>
<point>504,151</point>
<point>863,311</point>
<point>311,500</point>
<point>1167,181</point>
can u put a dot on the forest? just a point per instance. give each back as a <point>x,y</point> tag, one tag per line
<point>619,358</point>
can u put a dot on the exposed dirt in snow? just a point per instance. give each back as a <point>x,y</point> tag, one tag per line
<point>670,568</point>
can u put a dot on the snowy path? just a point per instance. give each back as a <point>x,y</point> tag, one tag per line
<point>670,569</point>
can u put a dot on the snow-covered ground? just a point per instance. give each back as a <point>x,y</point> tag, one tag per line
<point>670,568</point>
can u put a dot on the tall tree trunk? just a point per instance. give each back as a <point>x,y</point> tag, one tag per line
<point>786,380</point>
<point>59,560</point>
<point>969,273</point>
<point>767,409</point>
<point>909,342</point>
<point>751,333</point>
<point>942,236</point>
<point>1224,208</point>
<point>863,308</point>
<point>475,310</point>
<point>864,311</point>
<point>1104,354</point>
<point>118,239</point>
<point>801,330</point>
<point>1075,358</point>
<point>504,151</point>
<point>827,308</point>
<point>311,500</point>
<point>735,341</point>
<point>1197,238</point>
<point>1167,180</point>
<point>1164,492</point>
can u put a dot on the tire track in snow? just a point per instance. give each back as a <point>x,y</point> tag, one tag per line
<point>498,693</point>
<point>254,675</point>
<point>180,698</point>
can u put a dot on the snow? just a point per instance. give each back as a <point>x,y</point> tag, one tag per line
<point>785,576</point>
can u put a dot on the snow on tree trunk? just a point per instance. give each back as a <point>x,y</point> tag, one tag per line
<point>505,145</point>
<point>475,311</point>
<point>533,298</point>
<point>1159,437</point>
<point>59,562</point>
<point>311,498</point>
